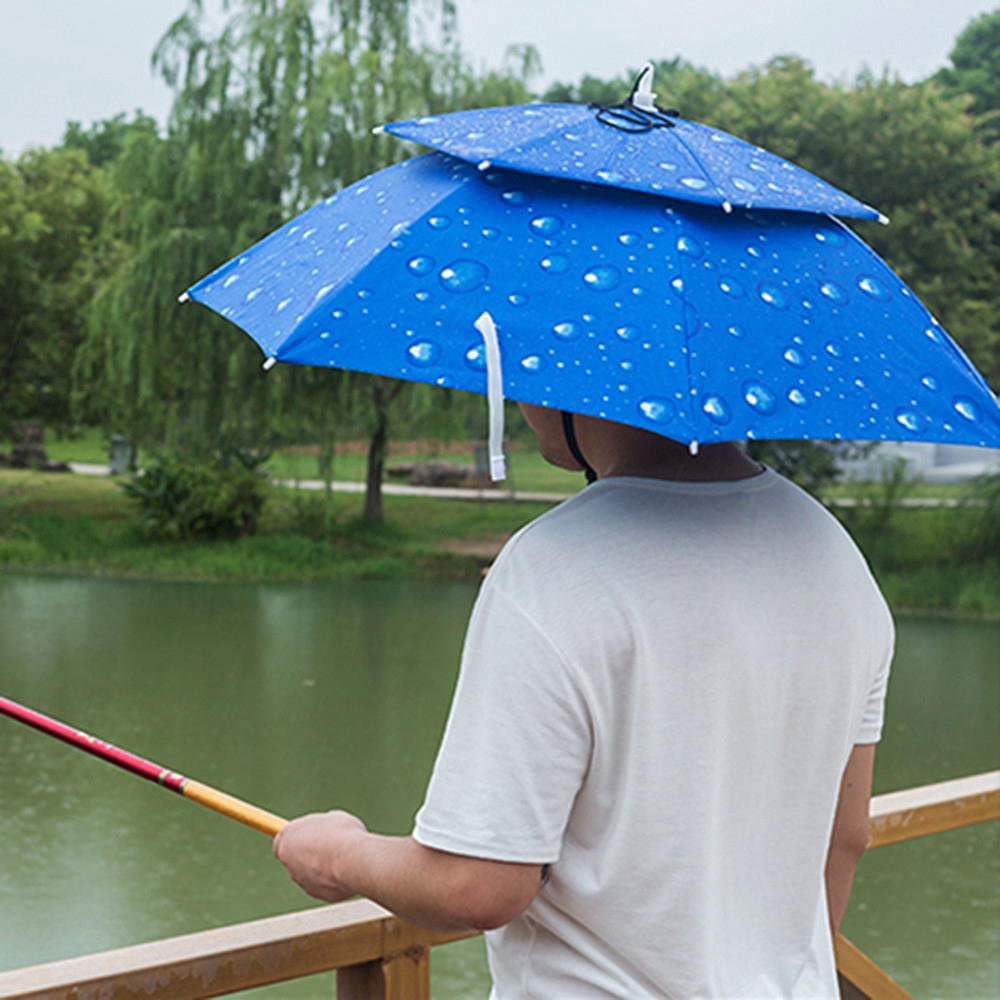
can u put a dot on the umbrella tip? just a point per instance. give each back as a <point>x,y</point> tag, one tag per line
<point>883,219</point>
<point>378,130</point>
<point>484,165</point>
<point>184,297</point>
<point>269,363</point>
<point>693,447</point>
<point>642,93</point>
<point>727,207</point>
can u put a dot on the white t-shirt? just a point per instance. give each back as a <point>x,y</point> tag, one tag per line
<point>660,688</point>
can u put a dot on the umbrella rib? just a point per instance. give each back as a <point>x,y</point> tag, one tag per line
<point>726,205</point>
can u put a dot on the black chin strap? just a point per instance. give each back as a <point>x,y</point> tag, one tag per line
<point>574,448</point>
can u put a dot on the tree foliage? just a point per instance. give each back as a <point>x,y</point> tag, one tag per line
<point>51,210</point>
<point>975,65</point>
<point>272,112</point>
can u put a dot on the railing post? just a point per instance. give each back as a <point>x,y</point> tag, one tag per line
<point>408,976</point>
<point>401,977</point>
<point>361,982</point>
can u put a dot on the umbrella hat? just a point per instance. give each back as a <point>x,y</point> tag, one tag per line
<point>658,313</point>
<point>633,145</point>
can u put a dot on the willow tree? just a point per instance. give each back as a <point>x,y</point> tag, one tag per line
<point>270,113</point>
<point>52,205</point>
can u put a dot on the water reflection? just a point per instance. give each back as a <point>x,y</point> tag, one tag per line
<point>306,697</point>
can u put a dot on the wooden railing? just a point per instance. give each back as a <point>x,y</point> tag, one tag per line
<point>379,957</point>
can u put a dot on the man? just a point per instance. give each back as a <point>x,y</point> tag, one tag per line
<point>662,738</point>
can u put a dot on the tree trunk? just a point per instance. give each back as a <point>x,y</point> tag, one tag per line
<point>377,448</point>
<point>383,393</point>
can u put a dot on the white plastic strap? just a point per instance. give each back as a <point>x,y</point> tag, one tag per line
<point>494,395</point>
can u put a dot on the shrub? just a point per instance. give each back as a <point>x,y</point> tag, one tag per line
<point>985,496</point>
<point>185,500</point>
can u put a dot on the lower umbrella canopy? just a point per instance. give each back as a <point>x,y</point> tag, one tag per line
<point>662,314</point>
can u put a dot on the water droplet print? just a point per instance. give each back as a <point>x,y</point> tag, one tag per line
<point>759,398</point>
<point>609,176</point>
<point>602,278</point>
<point>830,237</point>
<point>834,292</point>
<point>930,382</point>
<point>689,246</point>
<point>797,397</point>
<point>629,239</point>
<point>475,358</point>
<point>657,410</point>
<point>967,408</point>
<point>871,285</point>
<point>627,333</point>
<point>546,225</point>
<point>515,197</point>
<point>732,287</point>
<point>910,420</point>
<point>532,364</point>
<point>694,183</point>
<point>567,331</point>
<point>420,265</point>
<point>555,263</point>
<point>794,357</point>
<point>424,353</point>
<point>772,295</point>
<point>463,276</point>
<point>716,409</point>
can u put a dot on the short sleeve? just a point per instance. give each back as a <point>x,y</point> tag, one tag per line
<point>870,730</point>
<point>516,747</point>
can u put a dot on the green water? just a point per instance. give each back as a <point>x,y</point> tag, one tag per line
<point>308,697</point>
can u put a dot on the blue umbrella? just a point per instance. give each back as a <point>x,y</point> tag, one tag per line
<point>633,145</point>
<point>658,313</point>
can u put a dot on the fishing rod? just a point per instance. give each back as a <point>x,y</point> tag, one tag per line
<point>227,805</point>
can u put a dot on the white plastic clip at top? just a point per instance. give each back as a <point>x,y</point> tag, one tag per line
<point>643,97</point>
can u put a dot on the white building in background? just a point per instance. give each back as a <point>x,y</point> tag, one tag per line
<point>930,463</point>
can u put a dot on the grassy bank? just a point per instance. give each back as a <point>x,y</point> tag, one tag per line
<point>925,558</point>
<point>59,523</point>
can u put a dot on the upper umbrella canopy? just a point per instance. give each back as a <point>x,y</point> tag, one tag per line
<point>667,315</point>
<point>634,145</point>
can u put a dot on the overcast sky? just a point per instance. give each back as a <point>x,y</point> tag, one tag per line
<point>85,60</point>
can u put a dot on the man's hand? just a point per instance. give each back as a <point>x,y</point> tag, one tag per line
<point>314,849</point>
<point>332,857</point>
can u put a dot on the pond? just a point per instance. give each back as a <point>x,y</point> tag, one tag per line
<point>306,697</point>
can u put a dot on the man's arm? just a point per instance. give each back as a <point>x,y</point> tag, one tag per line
<point>333,857</point>
<point>850,830</point>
